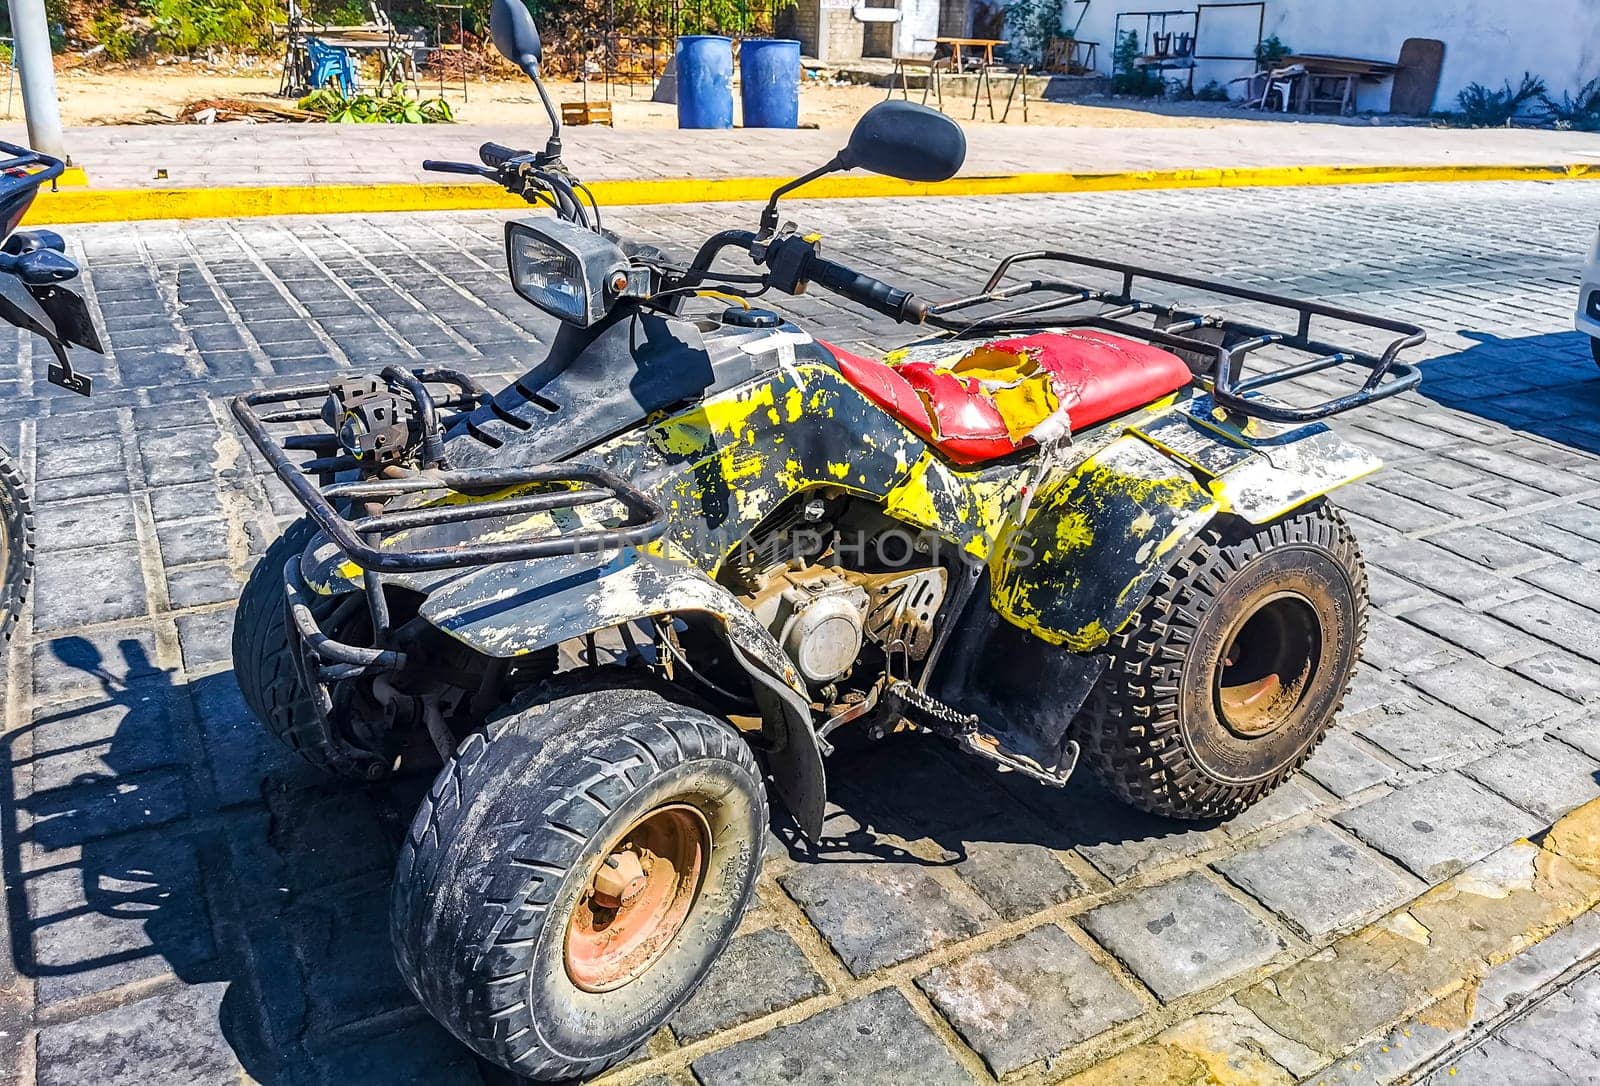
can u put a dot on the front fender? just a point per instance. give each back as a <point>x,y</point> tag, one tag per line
<point>498,612</point>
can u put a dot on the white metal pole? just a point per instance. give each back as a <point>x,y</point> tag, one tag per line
<point>31,54</point>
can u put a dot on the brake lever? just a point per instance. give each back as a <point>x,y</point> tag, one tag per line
<point>435,166</point>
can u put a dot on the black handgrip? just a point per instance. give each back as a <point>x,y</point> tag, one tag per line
<point>435,166</point>
<point>498,154</point>
<point>875,294</point>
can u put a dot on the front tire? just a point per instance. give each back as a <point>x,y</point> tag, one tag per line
<point>264,664</point>
<point>1232,670</point>
<point>16,543</point>
<point>572,875</point>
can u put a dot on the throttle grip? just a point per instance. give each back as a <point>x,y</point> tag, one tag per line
<point>875,294</point>
<point>498,154</point>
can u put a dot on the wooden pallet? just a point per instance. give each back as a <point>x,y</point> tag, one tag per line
<point>575,113</point>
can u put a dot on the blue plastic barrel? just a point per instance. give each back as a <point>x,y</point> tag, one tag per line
<point>705,81</point>
<point>769,83</point>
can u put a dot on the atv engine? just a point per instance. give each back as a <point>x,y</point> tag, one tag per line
<point>824,615</point>
<point>818,614</point>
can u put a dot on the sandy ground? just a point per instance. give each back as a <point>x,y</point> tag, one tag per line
<point>156,94</point>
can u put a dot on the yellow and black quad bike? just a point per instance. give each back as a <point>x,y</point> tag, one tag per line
<point>670,561</point>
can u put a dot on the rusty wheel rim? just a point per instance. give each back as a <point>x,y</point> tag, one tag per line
<point>636,898</point>
<point>1271,657</point>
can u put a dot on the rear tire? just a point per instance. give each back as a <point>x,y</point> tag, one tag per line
<point>263,656</point>
<point>494,911</point>
<point>1232,670</point>
<point>16,548</point>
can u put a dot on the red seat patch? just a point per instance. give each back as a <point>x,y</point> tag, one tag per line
<point>1092,375</point>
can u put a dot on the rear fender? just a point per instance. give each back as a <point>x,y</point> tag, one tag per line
<point>1103,531</point>
<point>514,618</point>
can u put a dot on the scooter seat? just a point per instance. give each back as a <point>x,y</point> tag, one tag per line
<point>1004,395</point>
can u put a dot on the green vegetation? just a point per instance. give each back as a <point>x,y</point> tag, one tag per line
<point>1580,111</point>
<point>370,109</point>
<point>1030,24</point>
<point>1481,107</point>
<point>1127,77</point>
<point>1271,51</point>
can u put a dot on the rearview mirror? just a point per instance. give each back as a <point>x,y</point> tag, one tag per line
<point>515,36</point>
<point>904,140</point>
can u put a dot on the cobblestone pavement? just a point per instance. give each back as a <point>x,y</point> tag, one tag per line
<point>185,902</point>
<point>163,156</point>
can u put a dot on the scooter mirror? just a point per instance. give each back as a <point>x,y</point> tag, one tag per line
<point>900,139</point>
<point>515,36</point>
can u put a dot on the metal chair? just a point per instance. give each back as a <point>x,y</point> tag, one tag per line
<point>927,62</point>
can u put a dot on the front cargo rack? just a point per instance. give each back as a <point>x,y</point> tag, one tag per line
<point>335,501</point>
<point>1214,344</point>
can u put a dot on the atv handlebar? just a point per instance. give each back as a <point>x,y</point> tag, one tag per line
<point>864,290</point>
<point>495,155</point>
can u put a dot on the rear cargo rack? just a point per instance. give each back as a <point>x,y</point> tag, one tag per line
<point>1217,345</point>
<point>330,502</point>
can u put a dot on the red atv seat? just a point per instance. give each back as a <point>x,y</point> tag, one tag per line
<point>1094,376</point>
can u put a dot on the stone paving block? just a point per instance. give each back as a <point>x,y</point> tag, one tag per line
<point>1433,568</point>
<point>1281,804</point>
<point>206,637</point>
<point>179,456</point>
<point>1438,826</point>
<point>1478,633</point>
<point>1487,547</point>
<point>877,1038</point>
<point>92,522</point>
<point>1579,586</point>
<point>76,663</point>
<point>200,586</point>
<point>1574,628</point>
<point>64,818</point>
<point>173,1038</point>
<point>422,1054</point>
<point>81,456</point>
<point>760,972</point>
<point>1489,695</point>
<point>61,488</point>
<point>1427,734</point>
<point>1319,880</point>
<point>185,501</point>
<point>1371,688</point>
<point>187,542</point>
<point>1555,1042</point>
<point>115,912</point>
<point>1182,935</point>
<point>1029,998</point>
<point>1562,672</point>
<point>83,587</point>
<point>879,914</point>
<point>908,785</point>
<point>1344,767</point>
<point>1015,877</point>
<point>345,960</point>
<point>1399,646</point>
<point>1536,529</point>
<point>1542,776</point>
<point>95,739</point>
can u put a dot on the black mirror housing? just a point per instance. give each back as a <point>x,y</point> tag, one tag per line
<point>515,35</point>
<point>904,140</point>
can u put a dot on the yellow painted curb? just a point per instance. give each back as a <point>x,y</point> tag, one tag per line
<point>72,177</point>
<point>126,205</point>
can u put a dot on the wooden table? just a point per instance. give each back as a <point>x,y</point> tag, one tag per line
<point>957,44</point>
<point>1340,74</point>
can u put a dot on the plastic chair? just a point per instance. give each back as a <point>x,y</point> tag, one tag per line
<point>329,63</point>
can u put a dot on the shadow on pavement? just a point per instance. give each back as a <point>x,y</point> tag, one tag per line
<point>1547,385</point>
<point>129,854</point>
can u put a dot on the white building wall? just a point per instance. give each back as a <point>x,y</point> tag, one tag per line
<point>1486,41</point>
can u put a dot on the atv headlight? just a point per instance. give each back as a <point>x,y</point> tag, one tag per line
<point>566,270</point>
